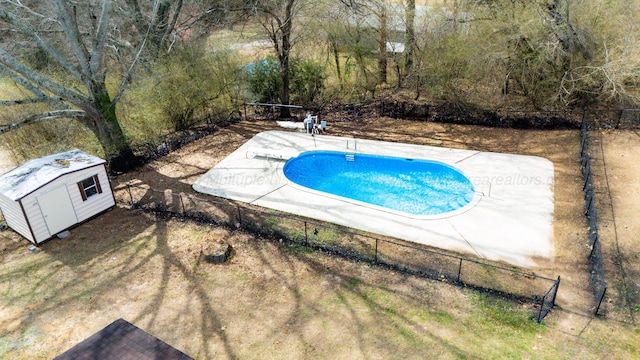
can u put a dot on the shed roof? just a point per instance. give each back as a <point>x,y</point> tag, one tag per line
<point>35,173</point>
<point>123,340</point>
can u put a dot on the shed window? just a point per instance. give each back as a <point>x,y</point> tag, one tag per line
<point>89,187</point>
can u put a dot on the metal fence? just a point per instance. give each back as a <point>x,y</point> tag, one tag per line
<point>596,266</point>
<point>626,119</point>
<point>519,119</point>
<point>396,254</point>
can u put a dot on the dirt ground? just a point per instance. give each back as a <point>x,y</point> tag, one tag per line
<point>616,179</point>
<point>272,301</point>
<point>180,169</point>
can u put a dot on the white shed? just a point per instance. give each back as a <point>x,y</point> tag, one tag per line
<point>46,196</point>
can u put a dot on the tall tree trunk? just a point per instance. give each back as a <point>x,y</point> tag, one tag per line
<point>382,46</point>
<point>277,21</point>
<point>286,75</point>
<point>336,59</point>
<point>107,129</point>
<point>284,56</point>
<point>409,38</point>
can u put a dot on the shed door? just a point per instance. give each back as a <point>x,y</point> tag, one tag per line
<point>57,209</point>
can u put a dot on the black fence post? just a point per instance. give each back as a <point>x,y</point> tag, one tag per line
<point>181,205</point>
<point>130,196</point>
<point>547,304</point>
<point>604,291</point>
<point>306,239</point>
<point>376,258</point>
<point>239,215</point>
<point>593,246</point>
<point>589,205</point>
<point>459,270</point>
<point>540,316</point>
<point>553,301</point>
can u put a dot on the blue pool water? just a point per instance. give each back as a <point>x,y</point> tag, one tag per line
<point>417,187</point>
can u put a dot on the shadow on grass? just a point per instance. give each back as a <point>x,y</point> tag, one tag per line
<point>126,243</point>
<point>100,256</point>
<point>373,317</point>
<point>82,270</point>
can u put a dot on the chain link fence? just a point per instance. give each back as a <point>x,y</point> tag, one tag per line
<point>353,244</point>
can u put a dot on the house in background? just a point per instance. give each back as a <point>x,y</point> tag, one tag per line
<point>44,197</point>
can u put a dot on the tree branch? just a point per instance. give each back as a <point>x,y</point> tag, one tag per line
<point>12,64</point>
<point>99,41</point>
<point>127,77</point>
<point>172,25</point>
<point>49,115</point>
<point>9,18</point>
<point>22,7</point>
<point>70,26</point>
<point>28,101</point>
<point>22,81</point>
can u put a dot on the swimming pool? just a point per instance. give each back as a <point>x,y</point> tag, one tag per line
<point>412,186</point>
<point>509,219</point>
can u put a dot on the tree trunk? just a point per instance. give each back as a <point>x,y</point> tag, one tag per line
<point>285,58</point>
<point>162,22</point>
<point>409,38</point>
<point>382,46</point>
<point>107,129</point>
<point>285,72</point>
<point>336,59</point>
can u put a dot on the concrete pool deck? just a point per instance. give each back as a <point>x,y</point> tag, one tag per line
<point>510,219</point>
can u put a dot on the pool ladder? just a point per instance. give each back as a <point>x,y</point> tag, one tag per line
<point>350,156</point>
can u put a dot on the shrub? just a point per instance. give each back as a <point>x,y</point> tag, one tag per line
<point>191,85</point>
<point>264,80</point>
<point>307,83</point>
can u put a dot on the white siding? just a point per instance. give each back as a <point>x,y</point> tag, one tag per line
<point>14,217</point>
<point>95,204</point>
<point>35,219</point>
<point>83,209</point>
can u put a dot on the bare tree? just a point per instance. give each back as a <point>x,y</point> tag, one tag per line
<point>383,60</point>
<point>77,38</point>
<point>375,15</point>
<point>157,24</point>
<point>409,37</point>
<point>276,17</point>
<point>347,33</point>
<point>556,14</point>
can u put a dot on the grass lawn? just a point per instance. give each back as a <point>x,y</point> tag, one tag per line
<point>275,301</point>
<point>269,301</point>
